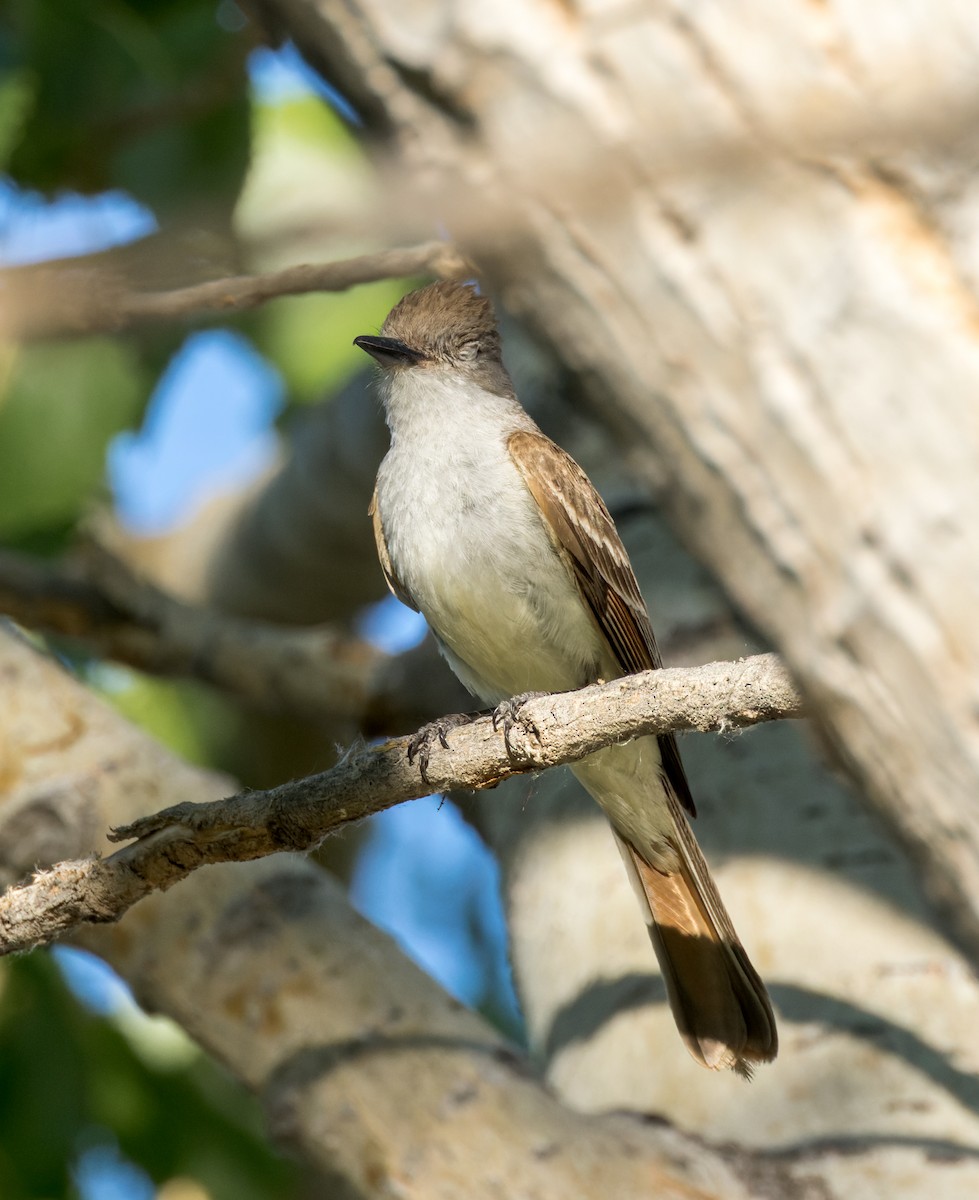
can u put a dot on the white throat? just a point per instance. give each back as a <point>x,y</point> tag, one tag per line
<point>443,412</point>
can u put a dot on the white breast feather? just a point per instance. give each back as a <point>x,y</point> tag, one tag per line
<point>466,539</point>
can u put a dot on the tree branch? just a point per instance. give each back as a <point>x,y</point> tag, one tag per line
<point>307,672</point>
<point>296,816</point>
<point>71,299</point>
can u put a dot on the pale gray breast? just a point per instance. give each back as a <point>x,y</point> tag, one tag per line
<point>466,539</point>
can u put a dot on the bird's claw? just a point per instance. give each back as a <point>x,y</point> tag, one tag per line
<point>509,715</point>
<point>420,745</point>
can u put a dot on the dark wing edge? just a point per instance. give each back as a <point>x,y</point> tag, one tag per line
<point>394,583</point>
<point>583,531</point>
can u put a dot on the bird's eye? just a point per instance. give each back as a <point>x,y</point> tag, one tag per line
<point>468,351</point>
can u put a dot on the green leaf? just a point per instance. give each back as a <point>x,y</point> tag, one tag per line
<point>185,716</point>
<point>310,338</point>
<point>71,1079</point>
<point>60,407</point>
<point>147,95</point>
<point>16,100</point>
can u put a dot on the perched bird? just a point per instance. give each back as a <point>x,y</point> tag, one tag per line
<point>497,536</point>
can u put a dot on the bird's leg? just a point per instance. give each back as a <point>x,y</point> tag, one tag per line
<point>508,715</point>
<point>420,746</point>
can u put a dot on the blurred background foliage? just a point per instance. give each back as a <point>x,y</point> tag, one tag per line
<point>148,111</point>
<point>124,122</point>
<point>86,1096</point>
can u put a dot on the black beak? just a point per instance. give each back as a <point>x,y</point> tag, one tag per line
<point>389,352</point>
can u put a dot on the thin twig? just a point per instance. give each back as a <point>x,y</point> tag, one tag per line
<point>248,291</point>
<point>75,298</point>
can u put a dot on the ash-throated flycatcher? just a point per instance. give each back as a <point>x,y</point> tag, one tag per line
<point>497,536</point>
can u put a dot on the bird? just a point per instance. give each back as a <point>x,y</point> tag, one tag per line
<point>498,538</point>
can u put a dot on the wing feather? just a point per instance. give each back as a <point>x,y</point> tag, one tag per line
<point>394,583</point>
<point>582,529</point>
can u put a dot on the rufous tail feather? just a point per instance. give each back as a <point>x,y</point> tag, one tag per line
<point>719,1003</point>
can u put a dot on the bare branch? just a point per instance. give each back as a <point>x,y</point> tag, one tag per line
<point>308,672</point>
<point>72,299</point>
<point>296,816</point>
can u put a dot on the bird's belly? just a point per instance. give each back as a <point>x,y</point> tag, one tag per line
<point>517,635</point>
<point>627,782</point>
<point>502,603</point>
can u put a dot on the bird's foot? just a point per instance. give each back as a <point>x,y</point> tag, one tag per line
<point>509,715</point>
<point>420,746</point>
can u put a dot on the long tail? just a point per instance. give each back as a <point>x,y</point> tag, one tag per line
<point>719,1003</point>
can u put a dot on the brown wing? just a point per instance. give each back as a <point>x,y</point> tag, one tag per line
<point>583,531</point>
<point>393,582</point>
